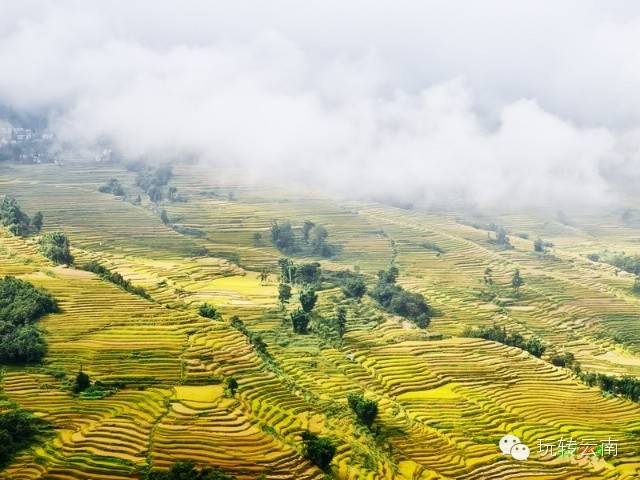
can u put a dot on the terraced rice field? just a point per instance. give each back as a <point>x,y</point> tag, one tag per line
<point>444,400</point>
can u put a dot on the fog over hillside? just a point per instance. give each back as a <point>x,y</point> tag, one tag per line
<point>495,102</point>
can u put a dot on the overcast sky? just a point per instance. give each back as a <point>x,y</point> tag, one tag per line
<point>524,102</point>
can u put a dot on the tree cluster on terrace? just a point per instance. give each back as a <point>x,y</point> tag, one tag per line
<point>17,221</point>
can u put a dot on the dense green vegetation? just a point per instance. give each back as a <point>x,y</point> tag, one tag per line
<point>626,386</point>
<point>17,221</point>
<point>55,246</point>
<point>81,382</point>
<point>113,187</point>
<point>628,263</point>
<point>395,299</point>
<point>21,305</point>
<point>300,321</point>
<point>284,293</point>
<point>230,386</point>
<point>541,246</point>
<point>516,281</point>
<point>188,471</point>
<point>308,298</point>
<point>499,334</point>
<point>18,430</point>
<point>332,328</point>
<point>114,277</point>
<point>154,181</point>
<point>354,287</point>
<point>313,241</point>
<point>254,339</point>
<point>365,410</point>
<point>319,450</point>
<point>565,360</point>
<point>299,274</point>
<point>500,236</point>
<point>207,310</point>
<point>432,246</point>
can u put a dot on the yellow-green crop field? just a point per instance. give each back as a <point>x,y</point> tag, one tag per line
<point>444,400</point>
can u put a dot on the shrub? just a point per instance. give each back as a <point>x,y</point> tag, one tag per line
<point>319,450</point>
<point>300,321</point>
<point>188,471</point>
<point>18,429</point>
<point>341,321</point>
<point>21,304</point>
<point>37,222</point>
<point>231,385</point>
<point>398,301</point>
<point>113,187</point>
<point>308,299</point>
<point>164,217</point>
<point>208,311</point>
<point>516,280</point>
<point>566,360</point>
<point>81,383</point>
<point>55,246</point>
<point>17,221</point>
<point>434,247</point>
<point>308,273</point>
<point>365,410</point>
<point>354,287</point>
<point>499,334</point>
<point>283,237</point>
<point>114,277</point>
<point>284,293</point>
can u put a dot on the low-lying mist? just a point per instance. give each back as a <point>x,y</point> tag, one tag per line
<point>527,105</point>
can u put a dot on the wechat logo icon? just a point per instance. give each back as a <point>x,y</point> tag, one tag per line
<point>511,445</point>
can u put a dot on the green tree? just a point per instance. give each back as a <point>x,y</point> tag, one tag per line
<point>257,238</point>
<point>208,311</point>
<point>113,187</point>
<point>155,193</point>
<point>308,299</point>
<point>37,222</point>
<point>21,304</point>
<point>354,287</point>
<point>284,293</point>
<point>306,228</point>
<point>365,410</point>
<point>538,246</point>
<point>535,347</point>
<point>283,237</point>
<point>318,239</point>
<point>319,450</point>
<point>488,278</point>
<point>287,270</point>
<point>300,321</point>
<point>516,281</point>
<point>18,429</point>
<point>82,382</point>
<point>308,273</point>
<point>12,217</point>
<point>636,286</point>
<point>501,236</point>
<point>231,385</point>
<point>258,343</point>
<point>164,217</point>
<point>188,471</point>
<point>341,321</point>
<point>55,246</point>
<point>389,276</point>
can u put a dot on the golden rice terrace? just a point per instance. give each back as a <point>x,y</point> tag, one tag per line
<point>445,398</point>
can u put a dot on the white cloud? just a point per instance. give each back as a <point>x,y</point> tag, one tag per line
<point>525,103</point>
